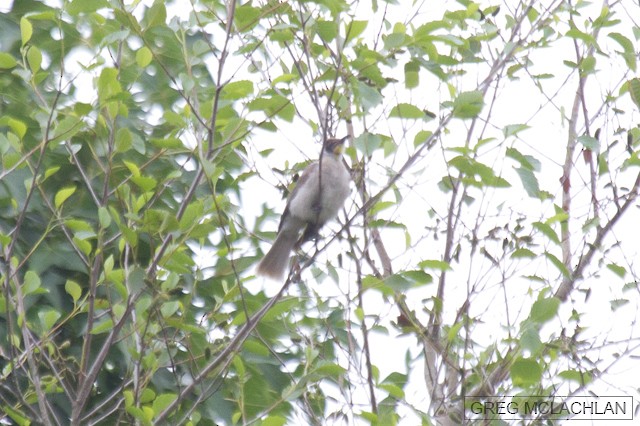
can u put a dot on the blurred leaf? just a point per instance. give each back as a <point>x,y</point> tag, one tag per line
<point>143,57</point>
<point>547,231</point>
<point>367,143</point>
<point>162,401</point>
<point>580,377</point>
<point>435,264</point>
<point>468,104</point>
<point>529,181</point>
<point>26,30</point>
<point>525,372</point>
<point>634,90</point>
<point>237,89</point>
<point>404,110</point>
<point>86,6</point>
<point>628,50</point>
<point>617,269</point>
<point>327,30</point>
<point>544,310</point>
<point>589,142</point>
<point>353,30</point>
<point>7,61</point>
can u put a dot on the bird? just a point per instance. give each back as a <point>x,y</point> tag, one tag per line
<point>317,197</point>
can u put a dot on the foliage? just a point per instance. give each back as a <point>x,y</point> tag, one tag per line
<point>493,185</point>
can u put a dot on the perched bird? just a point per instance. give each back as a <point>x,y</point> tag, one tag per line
<point>316,199</point>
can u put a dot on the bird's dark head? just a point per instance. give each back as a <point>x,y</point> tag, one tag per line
<point>335,146</point>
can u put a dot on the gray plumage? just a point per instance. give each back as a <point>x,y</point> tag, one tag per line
<point>316,199</point>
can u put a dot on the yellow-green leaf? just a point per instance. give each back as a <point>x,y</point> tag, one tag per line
<point>34,58</point>
<point>48,318</point>
<point>31,282</point>
<point>7,61</point>
<point>143,56</point>
<point>26,30</point>
<point>62,195</point>
<point>73,289</point>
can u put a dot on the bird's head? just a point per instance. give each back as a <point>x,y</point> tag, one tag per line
<point>335,146</point>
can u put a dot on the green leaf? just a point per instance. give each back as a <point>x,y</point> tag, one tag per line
<point>237,90</point>
<point>526,161</point>
<point>618,303</point>
<point>634,90</point>
<point>523,253</point>
<point>411,74</point>
<point>354,29</point>
<point>274,421</point>
<point>18,127</point>
<point>394,40</point>
<point>392,390</point>
<point>438,265</point>
<point>167,143</point>
<point>589,142</point>
<point>67,128</point>
<point>557,263</point>
<point>525,372</point>
<point>404,110</point>
<point>368,96</point>
<point>587,65</point>
<point>529,181</point>
<point>544,310</point>
<point>102,327</point>
<point>547,231</point>
<point>530,340</point>
<point>367,143</point>
<point>108,84</point>
<point>48,318</point>
<point>31,283</point>
<point>162,401</point>
<point>468,104</point>
<point>144,57</point>
<point>581,377</point>
<point>628,50</point>
<point>421,137</point>
<point>452,333</point>
<point>34,58</point>
<point>73,289</point>
<point>330,369</point>
<point>157,14</point>
<point>246,17</point>
<point>62,195</point>
<point>617,269</point>
<point>327,30</point>
<point>124,139</point>
<point>26,30</point>
<point>275,105</point>
<point>579,35</point>
<point>86,6</point>
<point>7,61</point>
<point>514,129</point>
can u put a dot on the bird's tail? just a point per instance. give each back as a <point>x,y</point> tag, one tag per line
<point>275,262</point>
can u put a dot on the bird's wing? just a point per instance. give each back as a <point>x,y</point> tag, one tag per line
<point>306,174</point>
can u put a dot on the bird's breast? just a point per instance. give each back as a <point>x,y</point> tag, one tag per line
<point>322,195</point>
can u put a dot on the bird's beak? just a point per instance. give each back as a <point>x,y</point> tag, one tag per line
<point>339,147</point>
